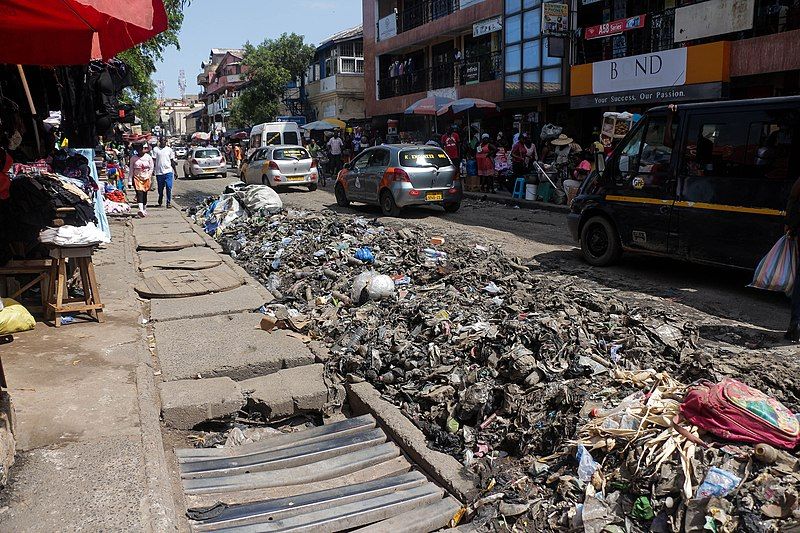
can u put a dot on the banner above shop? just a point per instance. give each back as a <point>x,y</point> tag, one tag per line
<point>614,28</point>
<point>387,27</point>
<point>690,73</point>
<point>487,26</point>
<point>650,97</point>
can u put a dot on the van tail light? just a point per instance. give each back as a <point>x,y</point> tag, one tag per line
<point>273,165</point>
<point>313,163</point>
<point>453,190</point>
<point>396,174</point>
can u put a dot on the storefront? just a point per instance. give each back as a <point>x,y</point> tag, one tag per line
<point>635,83</point>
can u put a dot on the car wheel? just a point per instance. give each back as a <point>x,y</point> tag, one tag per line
<point>600,242</point>
<point>341,195</point>
<point>388,205</point>
<point>312,187</point>
<point>452,207</point>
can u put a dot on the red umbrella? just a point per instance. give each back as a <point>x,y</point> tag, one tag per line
<point>466,104</point>
<point>73,32</point>
<point>428,106</point>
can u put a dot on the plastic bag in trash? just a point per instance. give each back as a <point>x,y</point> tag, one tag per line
<point>718,482</point>
<point>258,197</point>
<point>586,464</point>
<point>365,254</point>
<point>371,286</point>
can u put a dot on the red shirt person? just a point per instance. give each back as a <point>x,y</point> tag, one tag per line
<point>451,143</point>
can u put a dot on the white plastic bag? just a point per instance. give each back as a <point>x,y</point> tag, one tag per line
<point>370,285</point>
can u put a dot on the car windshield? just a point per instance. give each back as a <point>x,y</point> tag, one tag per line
<point>204,154</point>
<point>424,157</point>
<point>282,154</point>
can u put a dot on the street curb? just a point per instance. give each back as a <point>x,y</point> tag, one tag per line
<point>519,202</point>
<point>444,469</point>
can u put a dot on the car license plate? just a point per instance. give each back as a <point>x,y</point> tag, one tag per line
<point>209,170</point>
<point>434,197</point>
<point>296,178</point>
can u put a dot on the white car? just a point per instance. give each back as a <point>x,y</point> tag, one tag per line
<point>181,151</point>
<point>279,166</point>
<point>205,161</point>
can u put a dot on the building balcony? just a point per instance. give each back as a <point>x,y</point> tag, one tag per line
<point>452,74</point>
<point>230,81</point>
<point>769,17</point>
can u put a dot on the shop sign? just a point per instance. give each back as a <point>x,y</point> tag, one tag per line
<point>700,91</point>
<point>715,17</point>
<point>472,73</point>
<point>487,26</point>
<point>555,18</point>
<point>387,27</point>
<point>645,71</point>
<point>614,28</point>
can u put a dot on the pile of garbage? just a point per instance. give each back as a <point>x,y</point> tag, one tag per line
<point>565,401</point>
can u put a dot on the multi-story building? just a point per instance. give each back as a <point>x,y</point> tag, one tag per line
<point>335,79</point>
<point>419,48</point>
<point>221,79</point>
<point>171,112</point>
<point>631,56</point>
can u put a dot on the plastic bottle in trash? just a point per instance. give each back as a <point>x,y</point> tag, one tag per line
<point>634,400</point>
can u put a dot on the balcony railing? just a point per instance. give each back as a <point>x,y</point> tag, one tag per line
<point>441,76</point>
<point>769,17</point>
<point>419,13</point>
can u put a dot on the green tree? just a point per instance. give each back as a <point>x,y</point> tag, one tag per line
<point>142,61</point>
<point>270,67</point>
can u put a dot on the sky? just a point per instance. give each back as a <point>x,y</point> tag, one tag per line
<point>229,24</point>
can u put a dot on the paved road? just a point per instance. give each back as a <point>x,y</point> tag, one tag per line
<point>711,295</point>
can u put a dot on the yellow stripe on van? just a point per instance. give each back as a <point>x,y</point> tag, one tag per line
<point>732,208</point>
<point>637,200</point>
<point>697,205</point>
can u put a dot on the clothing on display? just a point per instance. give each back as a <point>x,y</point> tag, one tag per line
<point>73,235</point>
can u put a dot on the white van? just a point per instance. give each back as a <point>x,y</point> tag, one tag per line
<point>274,133</point>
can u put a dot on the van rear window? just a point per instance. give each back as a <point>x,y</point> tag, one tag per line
<point>273,137</point>
<point>290,137</point>
<point>424,157</point>
<point>282,154</point>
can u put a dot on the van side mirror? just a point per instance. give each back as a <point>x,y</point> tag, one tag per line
<point>600,162</point>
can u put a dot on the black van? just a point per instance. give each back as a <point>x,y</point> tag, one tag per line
<point>705,182</point>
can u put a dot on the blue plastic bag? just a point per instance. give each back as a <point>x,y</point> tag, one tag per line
<point>365,254</point>
<point>778,269</point>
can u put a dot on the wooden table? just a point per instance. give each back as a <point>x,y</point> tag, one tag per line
<point>58,301</point>
<point>40,268</point>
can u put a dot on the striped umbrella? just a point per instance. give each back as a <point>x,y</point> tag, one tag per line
<point>428,106</point>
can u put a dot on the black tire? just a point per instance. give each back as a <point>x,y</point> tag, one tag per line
<point>341,195</point>
<point>388,205</point>
<point>452,207</point>
<point>312,187</point>
<point>600,242</point>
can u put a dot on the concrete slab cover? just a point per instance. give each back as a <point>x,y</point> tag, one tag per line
<point>152,260</point>
<point>186,403</point>
<point>288,392</point>
<point>240,299</point>
<point>181,283</point>
<point>167,243</point>
<point>169,228</point>
<point>233,346</point>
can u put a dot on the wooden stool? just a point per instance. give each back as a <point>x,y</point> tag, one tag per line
<point>39,267</point>
<point>58,301</point>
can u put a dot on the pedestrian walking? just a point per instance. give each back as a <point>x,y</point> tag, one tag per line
<point>335,146</point>
<point>142,169</point>
<point>166,165</point>
<point>237,155</point>
<point>793,231</point>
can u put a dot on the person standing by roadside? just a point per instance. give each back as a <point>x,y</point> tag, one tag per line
<point>237,155</point>
<point>485,152</point>
<point>142,169</point>
<point>166,165</point>
<point>335,146</point>
<point>451,142</point>
<point>793,231</point>
<point>519,156</point>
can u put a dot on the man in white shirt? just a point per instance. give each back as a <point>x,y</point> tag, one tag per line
<point>165,167</point>
<point>335,145</point>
